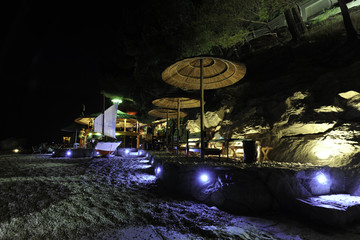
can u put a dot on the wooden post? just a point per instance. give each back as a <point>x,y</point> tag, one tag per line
<point>166,133</point>
<point>103,118</point>
<point>349,27</point>
<point>124,131</point>
<point>227,142</point>
<point>138,135</point>
<point>202,110</point>
<point>187,143</point>
<point>178,127</point>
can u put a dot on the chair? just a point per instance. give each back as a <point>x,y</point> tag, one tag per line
<point>36,149</point>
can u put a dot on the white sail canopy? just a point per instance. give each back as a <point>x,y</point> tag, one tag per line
<point>98,124</point>
<point>107,125</point>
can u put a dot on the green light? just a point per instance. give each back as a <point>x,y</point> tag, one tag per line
<point>117,100</point>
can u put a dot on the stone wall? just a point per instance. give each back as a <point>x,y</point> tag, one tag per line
<point>252,189</point>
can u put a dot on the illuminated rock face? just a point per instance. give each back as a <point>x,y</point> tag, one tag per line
<point>326,135</point>
<point>212,119</point>
<point>319,125</point>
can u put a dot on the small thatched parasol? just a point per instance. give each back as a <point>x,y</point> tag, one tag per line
<point>200,73</point>
<point>177,103</point>
<point>85,120</point>
<point>166,113</point>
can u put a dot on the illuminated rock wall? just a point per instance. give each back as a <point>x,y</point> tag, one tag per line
<point>320,124</point>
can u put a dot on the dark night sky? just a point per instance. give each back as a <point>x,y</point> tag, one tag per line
<point>52,59</point>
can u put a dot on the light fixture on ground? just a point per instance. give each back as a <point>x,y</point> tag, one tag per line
<point>321,178</point>
<point>158,171</point>
<point>68,153</point>
<point>204,177</point>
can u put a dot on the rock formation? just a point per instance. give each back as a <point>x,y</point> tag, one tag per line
<point>316,123</point>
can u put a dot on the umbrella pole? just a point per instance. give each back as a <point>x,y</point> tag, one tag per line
<point>178,128</point>
<point>167,129</point>
<point>75,138</point>
<point>202,110</point>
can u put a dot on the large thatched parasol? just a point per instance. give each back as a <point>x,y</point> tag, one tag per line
<point>200,73</point>
<point>177,103</point>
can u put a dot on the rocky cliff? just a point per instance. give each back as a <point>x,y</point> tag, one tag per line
<point>306,106</point>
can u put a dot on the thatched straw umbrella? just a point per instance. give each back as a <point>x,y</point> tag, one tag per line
<point>200,73</point>
<point>177,103</point>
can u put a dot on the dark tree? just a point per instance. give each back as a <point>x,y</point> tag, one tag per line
<point>350,30</point>
<point>295,22</point>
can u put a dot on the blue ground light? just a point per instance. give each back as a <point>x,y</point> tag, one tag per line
<point>321,178</point>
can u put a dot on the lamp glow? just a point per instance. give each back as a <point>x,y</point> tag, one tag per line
<point>323,155</point>
<point>158,171</point>
<point>321,178</point>
<point>68,153</point>
<point>204,178</point>
<point>117,100</point>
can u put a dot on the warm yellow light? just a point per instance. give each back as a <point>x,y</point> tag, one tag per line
<point>323,154</point>
<point>16,150</point>
<point>239,151</point>
<point>329,148</point>
<point>348,94</point>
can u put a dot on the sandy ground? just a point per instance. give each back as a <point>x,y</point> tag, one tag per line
<point>119,198</point>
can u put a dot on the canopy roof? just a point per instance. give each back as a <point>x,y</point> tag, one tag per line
<point>172,102</point>
<point>163,113</point>
<point>85,120</point>
<point>217,73</point>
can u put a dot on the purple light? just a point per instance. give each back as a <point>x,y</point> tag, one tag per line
<point>158,171</point>
<point>68,153</point>
<point>204,178</point>
<point>127,151</point>
<point>321,178</point>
